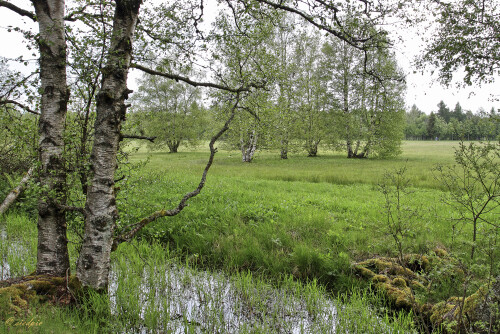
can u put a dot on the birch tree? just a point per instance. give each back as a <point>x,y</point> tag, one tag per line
<point>168,26</point>
<point>169,112</point>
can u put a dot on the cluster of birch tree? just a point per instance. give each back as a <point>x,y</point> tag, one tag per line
<point>320,92</point>
<point>85,50</point>
<point>263,72</point>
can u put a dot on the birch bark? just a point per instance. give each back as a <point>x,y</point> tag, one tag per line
<point>100,209</point>
<point>52,256</point>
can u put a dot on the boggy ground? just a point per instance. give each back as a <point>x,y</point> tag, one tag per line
<point>308,219</point>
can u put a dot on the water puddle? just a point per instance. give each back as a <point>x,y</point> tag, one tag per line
<point>16,256</point>
<point>181,300</point>
<point>4,264</point>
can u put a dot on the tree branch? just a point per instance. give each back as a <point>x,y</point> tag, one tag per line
<point>125,236</point>
<point>3,102</point>
<point>196,83</point>
<point>12,196</point>
<point>73,16</point>
<point>18,10</point>
<point>355,42</point>
<point>72,208</point>
<point>151,139</point>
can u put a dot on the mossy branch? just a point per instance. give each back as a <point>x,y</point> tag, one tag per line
<point>135,228</point>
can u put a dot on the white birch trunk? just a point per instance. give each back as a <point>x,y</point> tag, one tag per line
<point>100,209</point>
<point>52,255</point>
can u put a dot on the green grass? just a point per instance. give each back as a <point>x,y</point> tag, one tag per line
<point>151,289</point>
<point>329,167</point>
<point>296,224</point>
<point>251,216</point>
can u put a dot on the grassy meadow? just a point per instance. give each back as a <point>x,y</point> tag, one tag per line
<point>289,229</point>
<point>329,167</point>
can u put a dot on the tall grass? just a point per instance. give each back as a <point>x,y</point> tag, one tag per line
<point>153,290</point>
<point>266,242</point>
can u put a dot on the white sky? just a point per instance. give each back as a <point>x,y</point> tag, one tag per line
<point>422,88</point>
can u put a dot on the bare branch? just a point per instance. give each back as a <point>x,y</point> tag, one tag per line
<point>251,112</point>
<point>151,139</point>
<point>196,83</point>
<point>12,196</point>
<point>355,42</point>
<point>183,202</point>
<point>3,102</point>
<point>18,10</point>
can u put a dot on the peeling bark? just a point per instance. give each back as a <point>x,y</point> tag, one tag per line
<point>100,209</point>
<point>52,257</point>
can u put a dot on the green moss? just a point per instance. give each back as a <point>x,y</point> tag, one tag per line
<point>14,300</point>
<point>417,262</point>
<point>441,252</point>
<point>398,270</point>
<point>441,312</point>
<point>426,310</point>
<point>380,278</point>
<point>364,272</point>
<point>399,282</point>
<point>400,297</point>
<point>377,265</point>
<point>472,302</point>
<point>385,266</point>
<point>416,285</point>
<point>41,286</point>
<point>75,286</point>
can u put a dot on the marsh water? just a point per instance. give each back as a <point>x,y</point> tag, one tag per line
<point>4,264</point>
<point>167,297</point>
<point>150,292</point>
<point>181,300</point>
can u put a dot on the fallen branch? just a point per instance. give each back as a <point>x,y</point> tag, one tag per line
<point>14,194</point>
<point>134,228</point>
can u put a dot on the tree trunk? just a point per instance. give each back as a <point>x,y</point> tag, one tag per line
<point>284,150</point>
<point>248,148</point>
<point>357,147</point>
<point>173,145</point>
<point>100,209</point>
<point>366,149</point>
<point>350,152</point>
<point>52,256</point>
<point>312,149</point>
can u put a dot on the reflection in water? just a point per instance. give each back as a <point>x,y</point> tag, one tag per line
<point>181,300</point>
<point>16,255</point>
<point>4,265</point>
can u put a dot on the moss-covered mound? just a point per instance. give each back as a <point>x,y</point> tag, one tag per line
<point>477,313</point>
<point>402,282</point>
<point>393,279</point>
<point>17,294</point>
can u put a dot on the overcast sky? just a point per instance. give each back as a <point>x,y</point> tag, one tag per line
<point>422,88</point>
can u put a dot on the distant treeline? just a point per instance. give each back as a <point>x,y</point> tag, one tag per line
<point>456,124</point>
